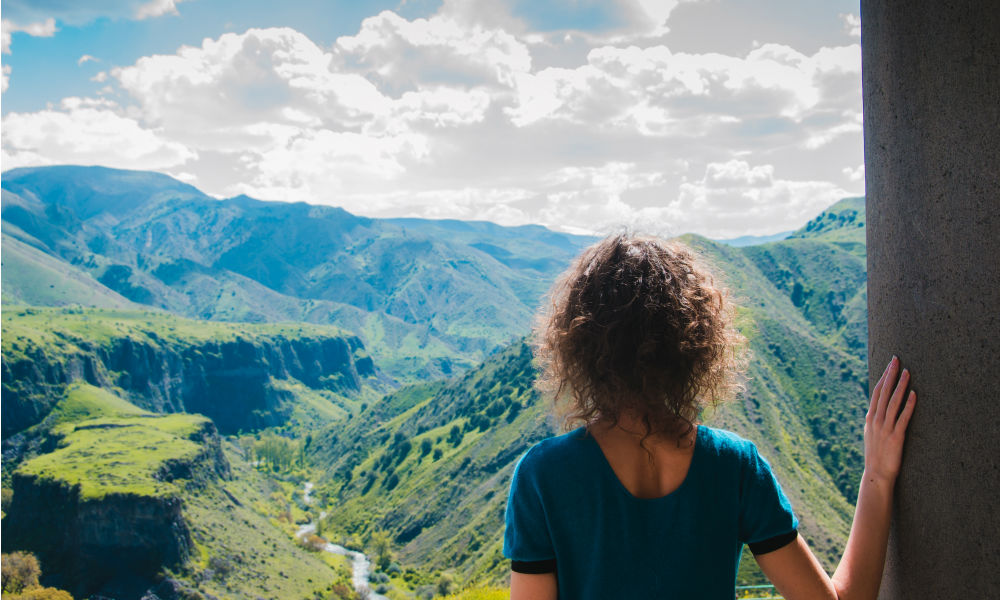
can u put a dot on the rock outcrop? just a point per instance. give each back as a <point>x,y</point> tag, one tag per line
<point>117,541</point>
<point>227,381</point>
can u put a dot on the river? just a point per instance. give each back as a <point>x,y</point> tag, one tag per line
<point>360,564</point>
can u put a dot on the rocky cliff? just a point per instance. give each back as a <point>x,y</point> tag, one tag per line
<point>226,377</point>
<point>113,535</point>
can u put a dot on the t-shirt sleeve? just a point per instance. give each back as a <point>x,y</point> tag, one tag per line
<point>526,536</point>
<point>765,513</point>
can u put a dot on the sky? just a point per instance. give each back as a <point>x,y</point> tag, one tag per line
<point>719,117</point>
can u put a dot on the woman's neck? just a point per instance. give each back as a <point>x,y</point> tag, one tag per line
<point>633,426</point>
<point>648,465</point>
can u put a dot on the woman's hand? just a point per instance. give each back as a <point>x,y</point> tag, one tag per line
<point>885,424</point>
<point>794,570</point>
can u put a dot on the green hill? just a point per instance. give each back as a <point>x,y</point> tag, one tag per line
<point>130,502</point>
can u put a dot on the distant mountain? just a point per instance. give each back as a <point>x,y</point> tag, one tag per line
<point>426,296</point>
<point>753,240</point>
<point>843,224</point>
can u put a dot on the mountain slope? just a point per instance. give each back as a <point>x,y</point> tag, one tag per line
<point>130,503</point>
<point>31,276</point>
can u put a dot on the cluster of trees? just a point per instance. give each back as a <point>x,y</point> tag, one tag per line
<point>277,453</point>
<point>21,572</point>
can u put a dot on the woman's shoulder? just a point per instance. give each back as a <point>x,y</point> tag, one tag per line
<point>556,451</point>
<point>725,443</point>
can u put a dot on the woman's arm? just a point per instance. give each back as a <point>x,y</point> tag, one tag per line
<point>533,587</point>
<point>794,570</point>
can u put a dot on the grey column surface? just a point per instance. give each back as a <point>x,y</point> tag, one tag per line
<point>931,89</point>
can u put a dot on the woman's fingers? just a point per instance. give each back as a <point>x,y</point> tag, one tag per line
<point>904,418</point>
<point>892,411</point>
<point>885,392</point>
<point>876,392</point>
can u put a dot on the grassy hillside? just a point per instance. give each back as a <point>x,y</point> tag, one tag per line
<point>170,486</point>
<point>387,467</point>
<point>120,452</point>
<point>33,277</point>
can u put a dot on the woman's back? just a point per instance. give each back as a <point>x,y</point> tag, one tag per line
<point>568,505</point>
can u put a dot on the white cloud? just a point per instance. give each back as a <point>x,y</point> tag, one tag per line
<point>400,55</point>
<point>651,88</point>
<point>452,116</point>
<point>852,24</point>
<point>320,166</point>
<point>6,78</point>
<point>210,95</point>
<point>86,58</point>
<point>302,126</point>
<point>442,107</point>
<point>855,174</point>
<point>850,123</point>
<point>81,13</point>
<point>733,193</point>
<point>156,8</point>
<point>46,28</point>
<point>737,174</point>
<point>86,131</point>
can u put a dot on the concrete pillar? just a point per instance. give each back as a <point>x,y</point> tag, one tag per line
<point>931,81</point>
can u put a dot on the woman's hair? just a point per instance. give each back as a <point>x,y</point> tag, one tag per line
<point>637,326</point>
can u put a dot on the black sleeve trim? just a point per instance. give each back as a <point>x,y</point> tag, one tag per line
<point>533,567</point>
<point>772,544</point>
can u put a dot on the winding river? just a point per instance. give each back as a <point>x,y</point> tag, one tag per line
<point>360,563</point>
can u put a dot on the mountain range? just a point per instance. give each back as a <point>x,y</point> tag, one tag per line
<point>427,296</point>
<point>389,353</point>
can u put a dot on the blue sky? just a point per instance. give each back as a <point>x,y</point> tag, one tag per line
<point>724,117</point>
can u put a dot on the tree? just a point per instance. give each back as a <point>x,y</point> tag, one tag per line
<point>798,294</point>
<point>20,570</point>
<point>444,584</point>
<point>455,436</point>
<point>383,550</point>
<point>41,593</point>
<point>20,579</point>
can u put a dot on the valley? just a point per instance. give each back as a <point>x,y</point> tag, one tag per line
<point>176,368</point>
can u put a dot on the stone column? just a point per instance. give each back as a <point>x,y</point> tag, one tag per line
<point>931,82</point>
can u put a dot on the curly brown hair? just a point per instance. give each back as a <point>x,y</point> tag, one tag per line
<point>637,326</point>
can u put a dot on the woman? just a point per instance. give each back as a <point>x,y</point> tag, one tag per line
<point>642,501</point>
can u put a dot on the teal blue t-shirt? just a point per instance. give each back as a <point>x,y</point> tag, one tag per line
<point>567,504</point>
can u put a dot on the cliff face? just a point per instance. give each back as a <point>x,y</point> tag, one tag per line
<point>115,541</point>
<point>228,381</point>
<point>90,543</point>
<point>33,382</point>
